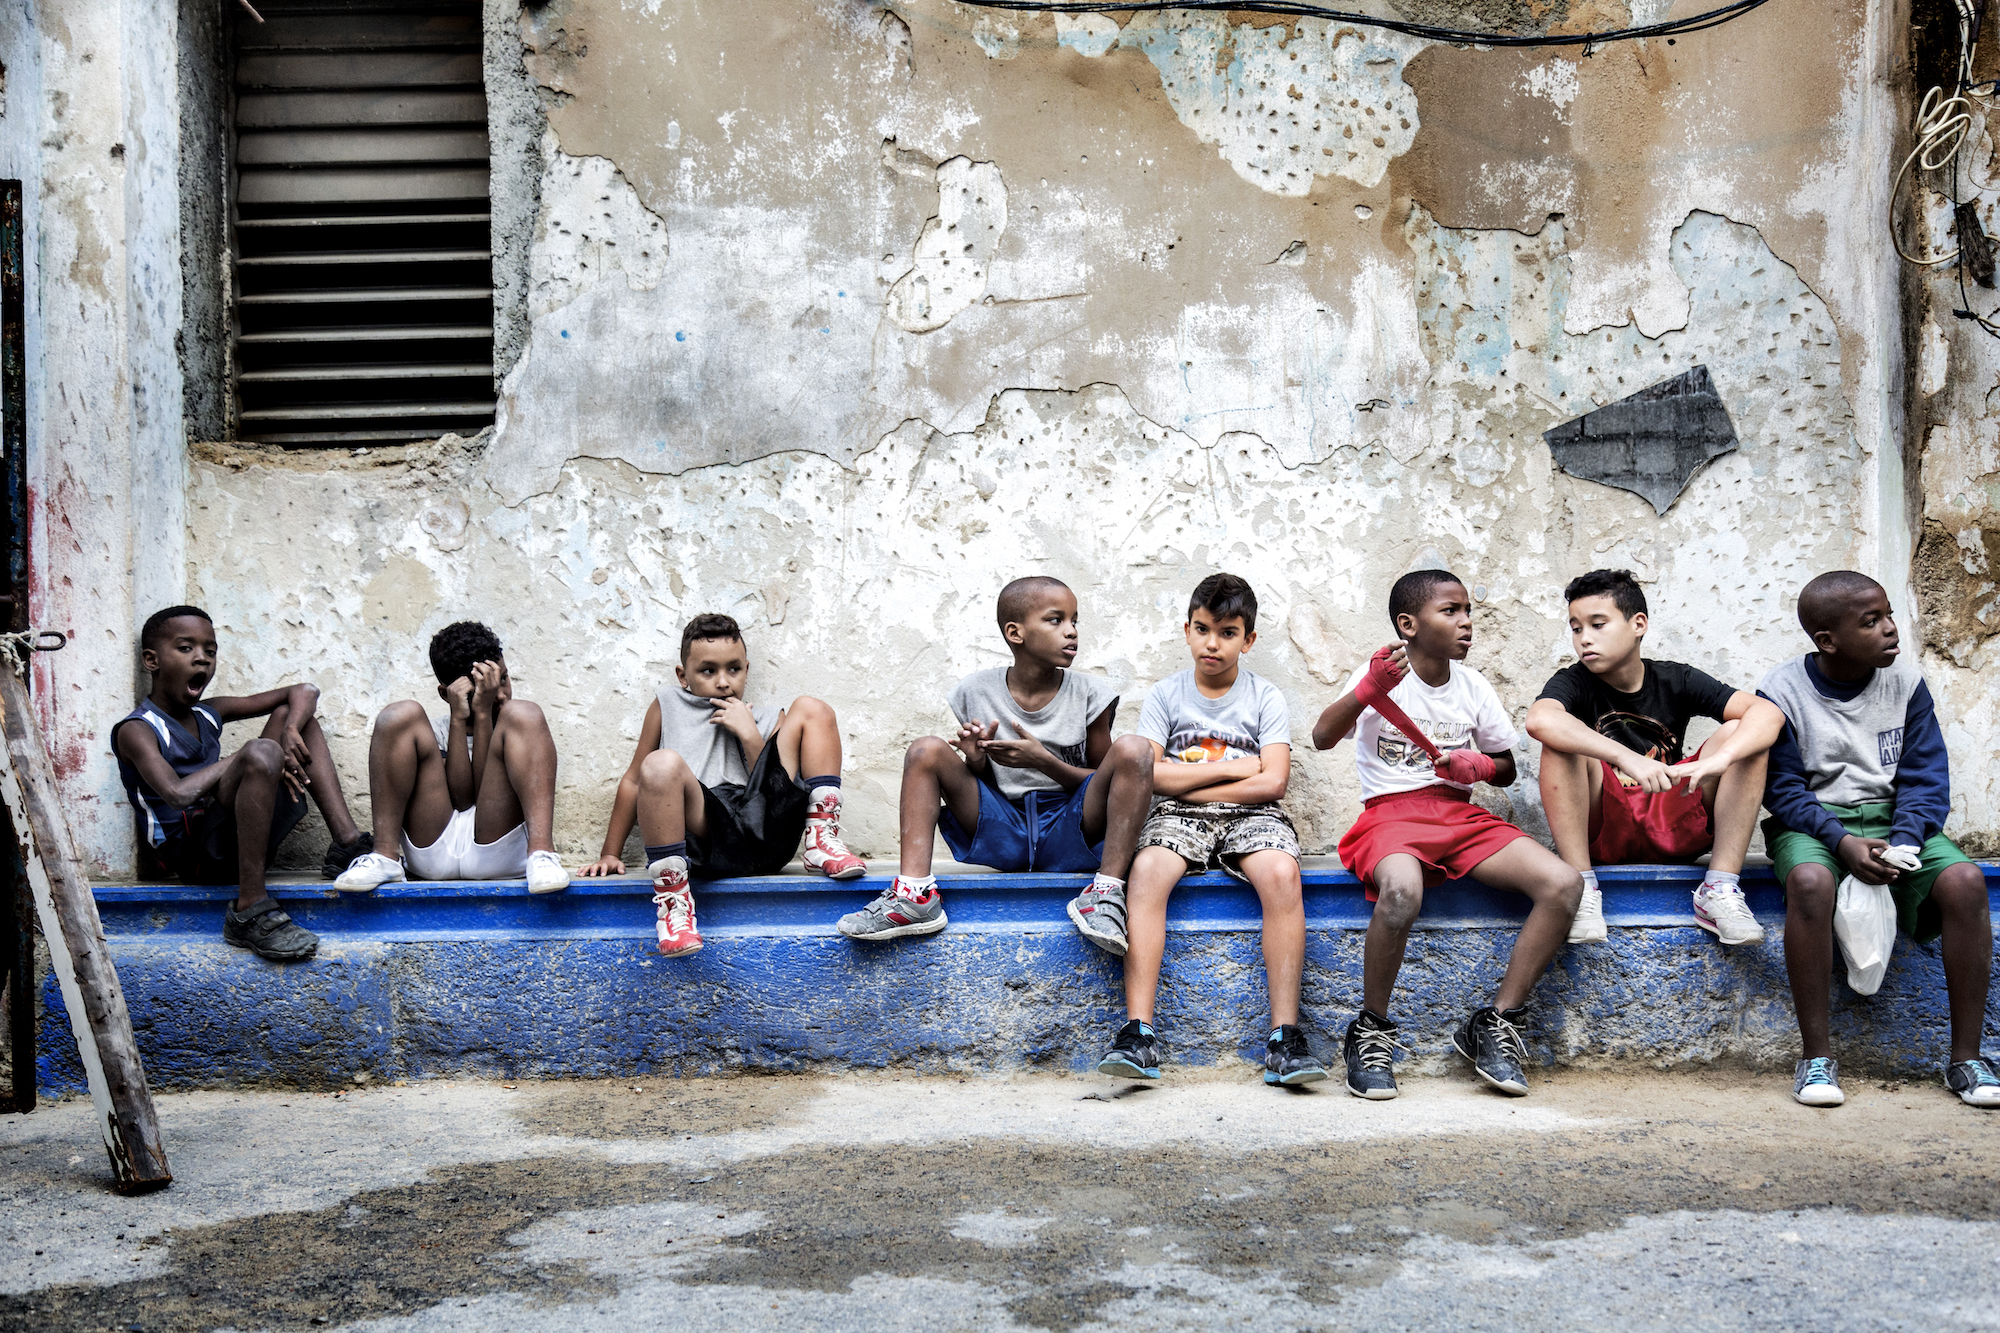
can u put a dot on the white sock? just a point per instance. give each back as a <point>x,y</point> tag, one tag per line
<point>1589,879</point>
<point>1106,882</point>
<point>818,794</point>
<point>915,886</point>
<point>1721,879</point>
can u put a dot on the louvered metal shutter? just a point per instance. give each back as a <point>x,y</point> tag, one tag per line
<point>363,268</point>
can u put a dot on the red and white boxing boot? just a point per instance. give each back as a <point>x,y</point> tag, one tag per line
<point>675,901</point>
<point>825,852</point>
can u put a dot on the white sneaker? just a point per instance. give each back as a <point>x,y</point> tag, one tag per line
<point>546,873</point>
<point>1720,909</point>
<point>369,872</point>
<point>1588,928</point>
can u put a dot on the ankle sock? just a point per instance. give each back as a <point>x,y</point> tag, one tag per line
<point>653,853</point>
<point>1145,1028</point>
<point>914,887</point>
<point>1104,881</point>
<point>818,787</point>
<point>1721,879</point>
<point>1590,879</point>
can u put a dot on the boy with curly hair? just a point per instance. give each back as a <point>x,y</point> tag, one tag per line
<point>469,796</point>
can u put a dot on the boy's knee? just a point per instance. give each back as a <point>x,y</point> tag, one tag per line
<point>1961,888</point>
<point>663,768</point>
<point>263,757</point>
<point>805,708</point>
<point>1565,888</point>
<point>406,713</point>
<point>1131,754</point>
<point>520,713</point>
<point>1809,892</point>
<point>1398,900</point>
<point>926,751</point>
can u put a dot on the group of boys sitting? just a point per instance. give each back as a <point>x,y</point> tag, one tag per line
<point>1841,745</point>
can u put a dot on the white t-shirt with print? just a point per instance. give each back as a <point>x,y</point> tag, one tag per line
<point>1463,713</point>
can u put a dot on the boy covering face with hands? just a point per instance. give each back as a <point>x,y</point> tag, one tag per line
<point>1426,730</point>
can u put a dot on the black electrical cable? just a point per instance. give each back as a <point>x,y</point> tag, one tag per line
<point>1298,9</point>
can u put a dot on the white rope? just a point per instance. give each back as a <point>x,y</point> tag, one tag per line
<point>1942,126</point>
<point>19,645</point>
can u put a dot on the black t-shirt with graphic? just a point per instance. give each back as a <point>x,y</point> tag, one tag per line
<point>1653,720</point>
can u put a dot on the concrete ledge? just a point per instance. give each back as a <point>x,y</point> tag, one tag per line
<point>422,980</point>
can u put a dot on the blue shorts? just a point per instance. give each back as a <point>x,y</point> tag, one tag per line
<point>1043,832</point>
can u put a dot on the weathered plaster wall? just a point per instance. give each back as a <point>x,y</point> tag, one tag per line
<point>839,317</point>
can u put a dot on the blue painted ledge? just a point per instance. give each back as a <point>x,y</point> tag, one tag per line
<point>424,980</point>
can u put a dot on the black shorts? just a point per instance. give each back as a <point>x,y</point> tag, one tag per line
<point>754,829</point>
<point>202,849</point>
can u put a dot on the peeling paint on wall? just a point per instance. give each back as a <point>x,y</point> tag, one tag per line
<point>948,269</point>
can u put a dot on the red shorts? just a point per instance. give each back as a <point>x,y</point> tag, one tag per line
<point>1632,827</point>
<point>1438,825</point>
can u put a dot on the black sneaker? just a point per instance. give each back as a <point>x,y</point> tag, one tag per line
<point>341,855</point>
<point>1134,1053</point>
<point>1288,1061</point>
<point>1490,1039</point>
<point>265,930</point>
<point>1370,1053</point>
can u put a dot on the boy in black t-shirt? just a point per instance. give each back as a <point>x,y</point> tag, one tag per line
<point>1615,784</point>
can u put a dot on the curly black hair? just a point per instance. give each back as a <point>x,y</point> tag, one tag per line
<point>456,647</point>
<point>708,625</point>
<point>1412,590</point>
<point>1617,584</point>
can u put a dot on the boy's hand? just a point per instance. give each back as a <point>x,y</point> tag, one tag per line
<point>1386,670</point>
<point>1700,769</point>
<point>294,746</point>
<point>735,716</point>
<point>1466,767</point>
<point>294,777</point>
<point>603,865</point>
<point>1860,857</point>
<point>486,680</point>
<point>1027,752</point>
<point>1649,775</point>
<point>971,740</point>
<point>458,697</point>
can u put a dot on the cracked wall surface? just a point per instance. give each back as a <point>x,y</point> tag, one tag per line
<point>838,315</point>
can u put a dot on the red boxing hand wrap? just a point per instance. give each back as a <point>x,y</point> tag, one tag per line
<point>1466,766</point>
<point>1373,692</point>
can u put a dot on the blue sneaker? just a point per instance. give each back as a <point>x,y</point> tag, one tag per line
<point>1975,1081</point>
<point>1134,1053</point>
<point>1816,1082</point>
<point>1289,1061</point>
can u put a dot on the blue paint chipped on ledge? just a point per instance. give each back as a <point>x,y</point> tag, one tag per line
<point>425,980</point>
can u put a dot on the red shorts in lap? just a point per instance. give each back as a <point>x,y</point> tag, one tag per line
<point>1632,827</point>
<point>1440,826</point>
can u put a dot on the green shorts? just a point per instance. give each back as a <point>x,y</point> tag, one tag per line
<point>1916,915</point>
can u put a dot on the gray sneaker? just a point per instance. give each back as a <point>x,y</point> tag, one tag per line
<point>1099,914</point>
<point>892,916</point>
<point>268,931</point>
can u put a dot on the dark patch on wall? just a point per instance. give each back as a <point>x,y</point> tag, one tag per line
<point>1478,119</point>
<point>515,122</point>
<point>203,340</point>
<point>1954,581</point>
<point>1651,443</point>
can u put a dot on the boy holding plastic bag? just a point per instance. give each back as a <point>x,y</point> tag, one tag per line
<point>1858,788</point>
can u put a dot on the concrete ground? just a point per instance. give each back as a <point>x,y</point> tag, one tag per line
<point>1635,1200</point>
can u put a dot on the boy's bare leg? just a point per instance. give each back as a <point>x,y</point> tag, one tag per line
<point>933,775</point>
<point>1117,802</point>
<point>1967,945</point>
<point>250,790</point>
<point>406,784</point>
<point>1572,785</point>
<point>1733,800</point>
<point>519,784</point>
<point>1399,896</point>
<point>671,804</point>
<point>1555,889</point>
<point>1275,876</point>
<point>1809,895</point>
<point>1155,871</point>
<point>322,778</point>
<point>808,740</point>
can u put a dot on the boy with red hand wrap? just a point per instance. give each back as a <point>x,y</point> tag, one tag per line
<point>1428,729</point>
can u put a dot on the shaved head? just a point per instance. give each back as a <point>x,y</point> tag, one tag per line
<point>1019,599</point>
<point>1824,601</point>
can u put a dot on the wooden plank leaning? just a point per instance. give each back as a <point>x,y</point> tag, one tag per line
<point>77,951</point>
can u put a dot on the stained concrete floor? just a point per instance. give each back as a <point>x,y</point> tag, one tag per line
<point>889,1202</point>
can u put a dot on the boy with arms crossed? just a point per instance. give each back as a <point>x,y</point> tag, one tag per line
<point>1220,741</point>
<point>1615,783</point>
<point>473,797</point>
<point>1418,826</point>
<point>715,783</point>
<point>1033,780</point>
<point>1860,785</point>
<point>219,821</point>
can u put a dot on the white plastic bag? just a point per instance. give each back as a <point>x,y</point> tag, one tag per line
<point>1864,921</point>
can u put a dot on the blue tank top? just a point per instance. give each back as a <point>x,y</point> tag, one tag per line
<point>157,820</point>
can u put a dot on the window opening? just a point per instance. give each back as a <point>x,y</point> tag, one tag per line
<point>363,266</point>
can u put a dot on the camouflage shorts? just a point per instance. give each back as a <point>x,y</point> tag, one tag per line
<point>1206,836</point>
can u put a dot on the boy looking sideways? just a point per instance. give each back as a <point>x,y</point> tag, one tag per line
<point>1860,785</point>
<point>1418,827</point>
<point>1220,741</point>
<point>714,783</point>
<point>219,821</point>
<point>473,797</point>
<point>1032,781</point>
<point>1616,786</point>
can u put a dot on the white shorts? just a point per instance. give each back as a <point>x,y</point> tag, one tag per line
<point>456,856</point>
